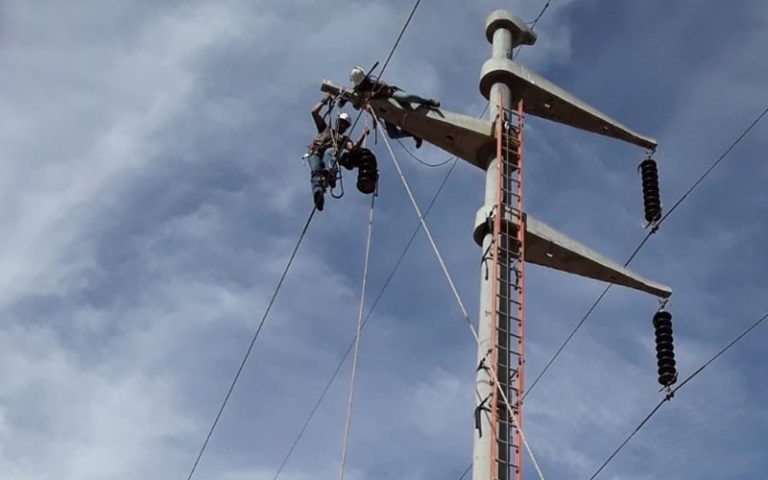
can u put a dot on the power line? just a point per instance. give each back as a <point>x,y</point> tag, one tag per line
<point>438,164</point>
<point>669,395</point>
<point>389,56</point>
<point>426,164</point>
<point>466,471</point>
<point>541,14</point>
<point>716,163</point>
<point>399,37</point>
<point>645,240</point>
<point>567,340</point>
<point>250,346</point>
<point>533,25</point>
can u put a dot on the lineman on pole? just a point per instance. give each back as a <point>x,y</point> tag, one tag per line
<point>326,148</point>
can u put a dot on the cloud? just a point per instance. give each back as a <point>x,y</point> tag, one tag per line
<point>152,190</point>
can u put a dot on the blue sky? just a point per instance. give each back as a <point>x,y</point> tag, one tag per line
<point>152,188</point>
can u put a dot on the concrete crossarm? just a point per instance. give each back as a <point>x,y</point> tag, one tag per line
<point>544,99</point>
<point>467,137</point>
<point>547,247</point>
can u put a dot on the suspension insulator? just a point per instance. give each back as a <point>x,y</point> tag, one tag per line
<point>665,350</point>
<point>367,170</point>
<point>651,196</point>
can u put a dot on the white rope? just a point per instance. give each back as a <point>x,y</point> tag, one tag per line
<point>425,228</point>
<point>353,375</point>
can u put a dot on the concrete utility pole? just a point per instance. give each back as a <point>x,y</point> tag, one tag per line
<point>508,237</point>
<point>494,433</point>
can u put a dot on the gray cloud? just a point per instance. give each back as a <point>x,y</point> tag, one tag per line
<point>152,188</point>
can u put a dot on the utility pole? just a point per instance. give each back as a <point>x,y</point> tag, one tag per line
<point>497,445</point>
<point>508,237</point>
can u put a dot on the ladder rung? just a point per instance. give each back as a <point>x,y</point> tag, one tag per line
<point>510,299</point>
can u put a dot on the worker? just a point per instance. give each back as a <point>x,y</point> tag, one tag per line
<point>325,149</point>
<point>375,88</point>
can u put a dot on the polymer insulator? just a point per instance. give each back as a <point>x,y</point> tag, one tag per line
<point>665,349</point>
<point>651,195</point>
<point>367,170</point>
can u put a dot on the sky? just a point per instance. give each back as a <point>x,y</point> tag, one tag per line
<point>152,188</point>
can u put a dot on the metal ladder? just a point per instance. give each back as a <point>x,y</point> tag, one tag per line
<point>508,247</point>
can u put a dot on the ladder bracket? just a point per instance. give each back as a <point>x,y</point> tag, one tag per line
<point>482,365</point>
<point>478,419</point>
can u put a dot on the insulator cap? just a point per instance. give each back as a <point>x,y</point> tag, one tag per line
<point>521,32</point>
<point>367,171</point>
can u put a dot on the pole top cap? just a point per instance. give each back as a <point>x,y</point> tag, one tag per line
<point>521,34</point>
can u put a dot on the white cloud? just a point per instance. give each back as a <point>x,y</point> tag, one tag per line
<point>68,155</point>
<point>151,192</point>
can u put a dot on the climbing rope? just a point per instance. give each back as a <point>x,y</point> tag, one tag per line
<point>448,277</point>
<point>375,302</point>
<point>353,375</point>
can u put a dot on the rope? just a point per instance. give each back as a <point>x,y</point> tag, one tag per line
<point>671,393</point>
<point>426,164</point>
<point>384,287</point>
<point>344,357</point>
<point>250,346</point>
<point>458,298</point>
<point>645,240</point>
<point>348,422</point>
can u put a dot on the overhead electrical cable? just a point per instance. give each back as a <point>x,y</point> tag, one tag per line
<point>250,346</point>
<point>426,164</point>
<point>541,14</point>
<point>645,239</point>
<point>672,392</point>
<point>533,25</point>
<point>391,53</point>
<point>400,36</point>
<point>716,162</point>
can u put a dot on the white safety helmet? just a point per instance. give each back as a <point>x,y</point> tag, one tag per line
<point>344,116</point>
<point>357,75</point>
